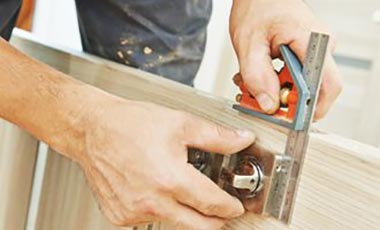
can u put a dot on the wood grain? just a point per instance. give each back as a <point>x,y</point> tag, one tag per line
<point>339,186</point>
<point>18,152</point>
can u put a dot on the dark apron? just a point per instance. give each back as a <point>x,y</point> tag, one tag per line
<point>8,16</point>
<point>165,37</point>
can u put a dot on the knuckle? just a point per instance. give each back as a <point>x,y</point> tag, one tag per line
<point>123,216</point>
<point>181,120</point>
<point>334,86</point>
<point>259,80</point>
<point>116,220</point>
<point>147,206</point>
<point>211,209</point>
<point>113,215</point>
<point>166,183</point>
<point>119,218</point>
<point>251,74</point>
<point>234,36</point>
<point>237,34</point>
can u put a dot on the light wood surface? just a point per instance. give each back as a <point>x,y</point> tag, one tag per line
<point>17,158</point>
<point>340,183</point>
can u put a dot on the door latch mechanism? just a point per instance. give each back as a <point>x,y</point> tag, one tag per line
<point>246,177</point>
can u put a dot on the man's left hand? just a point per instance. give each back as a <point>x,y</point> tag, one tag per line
<point>258,28</point>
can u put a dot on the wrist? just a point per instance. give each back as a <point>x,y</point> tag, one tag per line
<point>80,114</point>
<point>50,105</point>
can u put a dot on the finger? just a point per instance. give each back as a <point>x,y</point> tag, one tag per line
<point>186,218</point>
<point>330,89</point>
<point>259,75</point>
<point>199,192</point>
<point>208,136</point>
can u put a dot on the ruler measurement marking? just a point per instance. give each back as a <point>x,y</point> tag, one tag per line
<point>298,140</point>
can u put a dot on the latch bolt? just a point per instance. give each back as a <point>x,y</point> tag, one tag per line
<point>246,177</point>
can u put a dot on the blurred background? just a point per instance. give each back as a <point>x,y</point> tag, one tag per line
<point>356,23</point>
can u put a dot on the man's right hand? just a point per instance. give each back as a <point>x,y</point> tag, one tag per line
<point>135,159</point>
<point>134,154</point>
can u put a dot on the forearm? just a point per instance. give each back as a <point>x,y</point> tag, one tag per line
<point>51,105</point>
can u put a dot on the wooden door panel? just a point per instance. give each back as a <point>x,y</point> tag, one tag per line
<point>339,186</point>
<point>18,151</point>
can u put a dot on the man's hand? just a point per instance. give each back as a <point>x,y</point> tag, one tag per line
<point>258,28</point>
<point>134,154</point>
<point>135,159</point>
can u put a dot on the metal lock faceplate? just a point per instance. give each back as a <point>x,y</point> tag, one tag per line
<point>272,166</point>
<point>252,175</point>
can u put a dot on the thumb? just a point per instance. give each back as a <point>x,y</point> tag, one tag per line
<point>211,137</point>
<point>259,75</point>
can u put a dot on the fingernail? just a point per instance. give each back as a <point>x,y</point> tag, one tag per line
<point>266,102</point>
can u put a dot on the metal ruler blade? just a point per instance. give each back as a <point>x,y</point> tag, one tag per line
<point>297,142</point>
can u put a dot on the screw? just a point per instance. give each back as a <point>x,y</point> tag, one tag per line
<point>238,97</point>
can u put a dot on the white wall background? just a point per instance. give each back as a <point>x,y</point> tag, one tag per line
<point>55,21</point>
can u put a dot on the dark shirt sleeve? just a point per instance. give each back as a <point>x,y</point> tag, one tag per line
<point>9,10</point>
